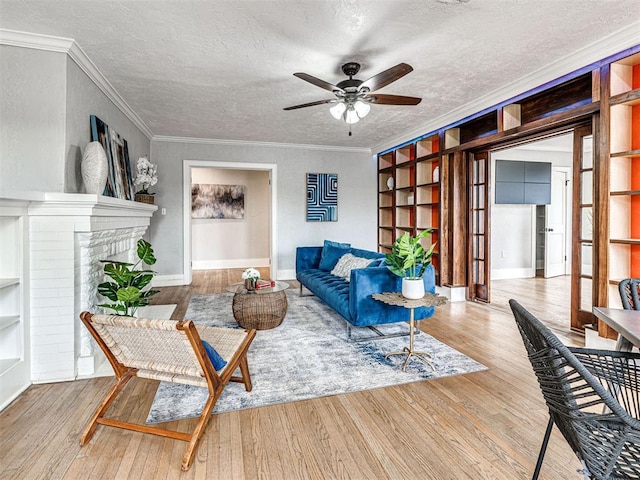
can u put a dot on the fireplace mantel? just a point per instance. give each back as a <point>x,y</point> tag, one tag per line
<point>68,235</point>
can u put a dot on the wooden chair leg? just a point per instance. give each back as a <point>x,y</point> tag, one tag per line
<point>246,376</point>
<point>203,421</point>
<point>115,389</point>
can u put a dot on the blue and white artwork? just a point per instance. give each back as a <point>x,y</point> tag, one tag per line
<point>322,197</point>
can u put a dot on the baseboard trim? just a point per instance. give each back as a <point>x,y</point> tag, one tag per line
<point>234,263</point>
<point>508,273</point>
<point>167,280</point>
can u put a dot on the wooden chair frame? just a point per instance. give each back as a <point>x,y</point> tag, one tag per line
<point>215,382</point>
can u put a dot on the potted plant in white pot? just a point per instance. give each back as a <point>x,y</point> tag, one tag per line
<point>408,259</point>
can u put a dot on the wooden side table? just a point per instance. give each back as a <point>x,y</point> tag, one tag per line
<point>396,299</point>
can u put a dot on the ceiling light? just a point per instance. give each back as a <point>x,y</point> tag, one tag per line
<point>362,108</point>
<point>350,115</point>
<point>337,110</point>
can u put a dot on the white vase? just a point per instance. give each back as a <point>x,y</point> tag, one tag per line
<point>412,288</point>
<point>94,168</point>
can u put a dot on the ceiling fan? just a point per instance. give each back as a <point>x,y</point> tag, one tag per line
<point>353,96</point>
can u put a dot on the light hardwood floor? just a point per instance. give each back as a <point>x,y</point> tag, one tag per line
<point>486,425</point>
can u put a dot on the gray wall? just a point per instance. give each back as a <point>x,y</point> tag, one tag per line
<point>356,196</point>
<point>32,125</point>
<point>84,99</point>
<point>45,104</point>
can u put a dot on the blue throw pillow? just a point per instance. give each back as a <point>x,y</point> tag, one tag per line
<point>336,244</point>
<point>216,360</point>
<point>331,254</point>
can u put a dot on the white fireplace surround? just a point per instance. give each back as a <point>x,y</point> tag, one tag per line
<point>68,236</point>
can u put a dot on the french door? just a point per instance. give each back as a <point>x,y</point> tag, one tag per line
<point>479,227</point>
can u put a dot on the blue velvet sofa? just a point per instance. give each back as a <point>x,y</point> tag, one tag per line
<point>352,299</point>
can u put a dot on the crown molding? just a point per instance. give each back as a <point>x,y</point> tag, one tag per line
<point>248,143</point>
<point>69,46</point>
<point>616,42</point>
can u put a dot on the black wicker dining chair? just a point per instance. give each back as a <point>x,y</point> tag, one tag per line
<point>593,397</point>
<point>630,293</point>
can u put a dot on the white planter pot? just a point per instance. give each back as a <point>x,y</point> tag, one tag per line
<point>412,288</point>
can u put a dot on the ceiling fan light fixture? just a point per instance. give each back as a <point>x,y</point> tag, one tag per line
<point>362,108</point>
<point>351,116</point>
<point>337,110</point>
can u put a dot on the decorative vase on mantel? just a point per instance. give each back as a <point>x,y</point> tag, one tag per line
<point>145,198</point>
<point>94,168</point>
<point>412,288</point>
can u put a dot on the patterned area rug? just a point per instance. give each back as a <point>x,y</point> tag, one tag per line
<point>308,356</point>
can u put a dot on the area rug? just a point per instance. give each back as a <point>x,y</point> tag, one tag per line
<point>308,356</point>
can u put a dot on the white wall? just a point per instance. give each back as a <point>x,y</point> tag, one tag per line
<point>513,233</point>
<point>357,206</point>
<point>229,243</point>
<point>32,119</point>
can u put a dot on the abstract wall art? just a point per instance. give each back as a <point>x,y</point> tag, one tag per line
<point>217,201</point>
<point>322,197</point>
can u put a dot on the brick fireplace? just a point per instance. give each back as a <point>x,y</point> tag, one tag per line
<point>68,236</point>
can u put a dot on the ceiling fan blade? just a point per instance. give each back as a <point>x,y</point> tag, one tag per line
<point>381,99</point>
<point>385,78</point>
<point>311,104</point>
<point>317,82</point>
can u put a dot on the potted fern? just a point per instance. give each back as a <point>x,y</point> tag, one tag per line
<point>408,259</point>
<point>126,289</point>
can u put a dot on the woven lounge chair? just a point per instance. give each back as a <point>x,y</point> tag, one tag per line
<point>172,352</point>
<point>630,293</point>
<point>593,397</point>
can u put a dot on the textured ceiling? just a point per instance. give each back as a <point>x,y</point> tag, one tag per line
<point>223,69</point>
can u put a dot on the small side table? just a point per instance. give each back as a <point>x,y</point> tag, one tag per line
<point>396,299</point>
<point>261,309</point>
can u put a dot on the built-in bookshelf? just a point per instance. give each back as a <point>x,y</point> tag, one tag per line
<point>624,174</point>
<point>409,193</point>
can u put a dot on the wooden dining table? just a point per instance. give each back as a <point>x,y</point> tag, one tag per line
<point>625,322</point>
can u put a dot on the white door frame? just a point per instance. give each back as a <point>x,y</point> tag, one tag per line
<point>187,165</point>
<point>566,221</point>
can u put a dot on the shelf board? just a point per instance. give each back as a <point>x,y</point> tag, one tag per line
<point>386,227</point>
<point>628,153</point>
<point>408,187</point>
<point>625,241</point>
<point>428,204</point>
<point>432,157</point>
<point>7,282</point>
<point>626,192</point>
<point>432,184</point>
<point>7,363</point>
<point>631,97</point>
<point>8,320</point>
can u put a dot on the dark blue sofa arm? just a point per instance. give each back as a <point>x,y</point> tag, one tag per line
<point>307,258</point>
<point>366,311</point>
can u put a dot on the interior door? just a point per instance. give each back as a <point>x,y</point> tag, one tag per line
<point>582,226</point>
<point>555,240</point>
<point>479,227</point>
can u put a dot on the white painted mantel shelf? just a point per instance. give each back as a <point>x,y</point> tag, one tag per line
<point>68,235</point>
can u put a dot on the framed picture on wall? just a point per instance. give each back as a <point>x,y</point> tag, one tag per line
<point>100,133</point>
<point>217,201</point>
<point>322,197</point>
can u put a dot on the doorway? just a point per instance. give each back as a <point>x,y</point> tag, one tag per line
<point>238,237</point>
<point>527,239</point>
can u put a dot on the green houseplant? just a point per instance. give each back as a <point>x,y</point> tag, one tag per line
<point>409,259</point>
<point>126,289</point>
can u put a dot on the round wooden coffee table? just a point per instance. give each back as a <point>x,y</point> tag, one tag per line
<point>260,309</point>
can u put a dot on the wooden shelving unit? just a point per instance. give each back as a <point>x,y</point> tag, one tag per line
<point>624,174</point>
<point>410,202</point>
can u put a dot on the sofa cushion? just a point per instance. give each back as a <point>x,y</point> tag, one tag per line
<point>333,291</point>
<point>347,263</point>
<point>331,253</point>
